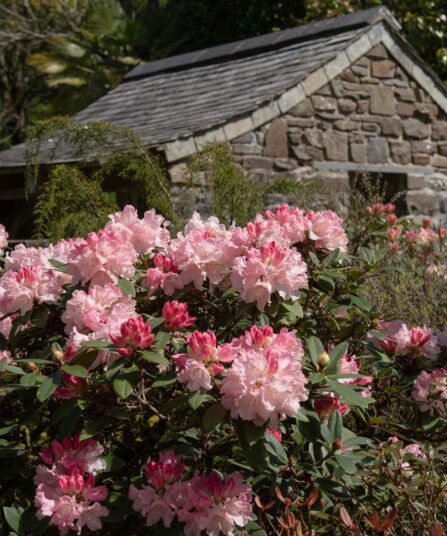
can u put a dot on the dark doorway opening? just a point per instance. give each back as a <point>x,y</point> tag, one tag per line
<point>383,187</point>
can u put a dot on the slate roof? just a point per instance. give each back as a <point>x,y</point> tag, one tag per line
<point>176,97</point>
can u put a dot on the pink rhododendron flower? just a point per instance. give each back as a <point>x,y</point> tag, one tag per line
<point>66,490</point>
<point>326,229</point>
<point>144,234</point>
<point>292,221</point>
<point>175,315</point>
<point>430,390</point>
<point>134,333</point>
<point>160,499</point>
<point>73,387</point>
<point>325,407</point>
<point>3,239</point>
<point>203,251</point>
<point>274,433</point>
<point>393,233</point>
<point>267,384</point>
<point>164,275</point>
<point>103,257</point>
<point>216,506</point>
<point>267,270</point>
<point>391,219</point>
<point>97,313</point>
<point>166,471</point>
<point>5,355</point>
<point>203,360</point>
<point>20,291</point>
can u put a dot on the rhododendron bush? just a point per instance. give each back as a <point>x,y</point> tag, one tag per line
<point>223,380</point>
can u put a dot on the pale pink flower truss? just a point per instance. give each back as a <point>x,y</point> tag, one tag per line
<point>5,355</point>
<point>293,222</point>
<point>203,361</point>
<point>3,239</point>
<point>103,257</point>
<point>326,229</point>
<point>134,333</point>
<point>164,275</point>
<point>266,270</point>
<point>158,501</point>
<point>204,251</point>
<point>417,341</point>
<point>430,390</point>
<point>175,315</point>
<point>66,490</point>
<point>20,291</point>
<point>267,384</point>
<point>100,310</point>
<point>145,234</point>
<point>216,506</point>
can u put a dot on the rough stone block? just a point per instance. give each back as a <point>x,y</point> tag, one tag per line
<point>276,144</point>
<point>315,153</point>
<point>313,137</point>
<point>346,125</point>
<point>348,76</point>
<point>246,148</point>
<point>421,159</point>
<point>363,106</point>
<point>324,104</point>
<point>383,69</point>
<point>392,126</point>
<point>424,201</point>
<point>248,137</point>
<point>378,150</point>
<point>325,91</point>
<point>302,109</point>
<point>290,98</point>
<point>371,127</point>
<point>382,101</point>
<point>177,173</point>
<point>406,95</point>
<point>238,128</point>
<point>301,152</point>
<point>360,70</point>
<point>346,106</point>
<point>415,129</point>
<point>285,164</point>
<point>358,152</point>
<point>442,145</point>
<point>426,110</point>
<point>425,147</point>
<point>336,145</point>
<point>300,123</point>
<point>261,162</point>
<point>439,161</point>
<point>379,51</point>
<point>405,109</point>
<point>400,152</point>
<point>439,130</point>
<point>415,181</point>
<point>337,87</point>
<point>337,65</point>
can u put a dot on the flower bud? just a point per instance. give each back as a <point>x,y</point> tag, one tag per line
<point>323,359</point>
<point>58,354</point>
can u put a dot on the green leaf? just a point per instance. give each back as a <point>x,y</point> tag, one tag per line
<point>331,258</point>
<point>97,344</point>
<point>48,386</point>
<point>28,379</point>
<point>348,394</point>
<point>126,382</point>
<point>346,462</point>
<point>335,355</point>
<point>166,379</point>
<point>275,448</point>
<point>295,308</point>
<point>13,515</point>
<point>126,287</point>
<point>156,321</point>
<point>162,338</point>
<point>69,422</point>
<point>114,463</point>
<point>311,430</point>
<point>360,302</point>
<point>326,284</point>
<point>196,399</point>
<point>60,266</point>
<point>75,370</point>
<point>315,347</point>
<point>155,357</point>
<point>213,417</point>
<point>335,426</point>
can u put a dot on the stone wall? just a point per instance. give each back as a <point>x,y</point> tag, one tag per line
<point>372,114</point>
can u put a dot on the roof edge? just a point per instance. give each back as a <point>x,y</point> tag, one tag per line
<point>271,41</point>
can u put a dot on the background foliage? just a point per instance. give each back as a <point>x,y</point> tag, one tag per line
<point>56,56</point>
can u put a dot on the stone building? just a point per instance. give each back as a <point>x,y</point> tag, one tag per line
<point>328,99</point>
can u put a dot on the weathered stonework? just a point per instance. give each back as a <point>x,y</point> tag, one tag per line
<point>371,113</point>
